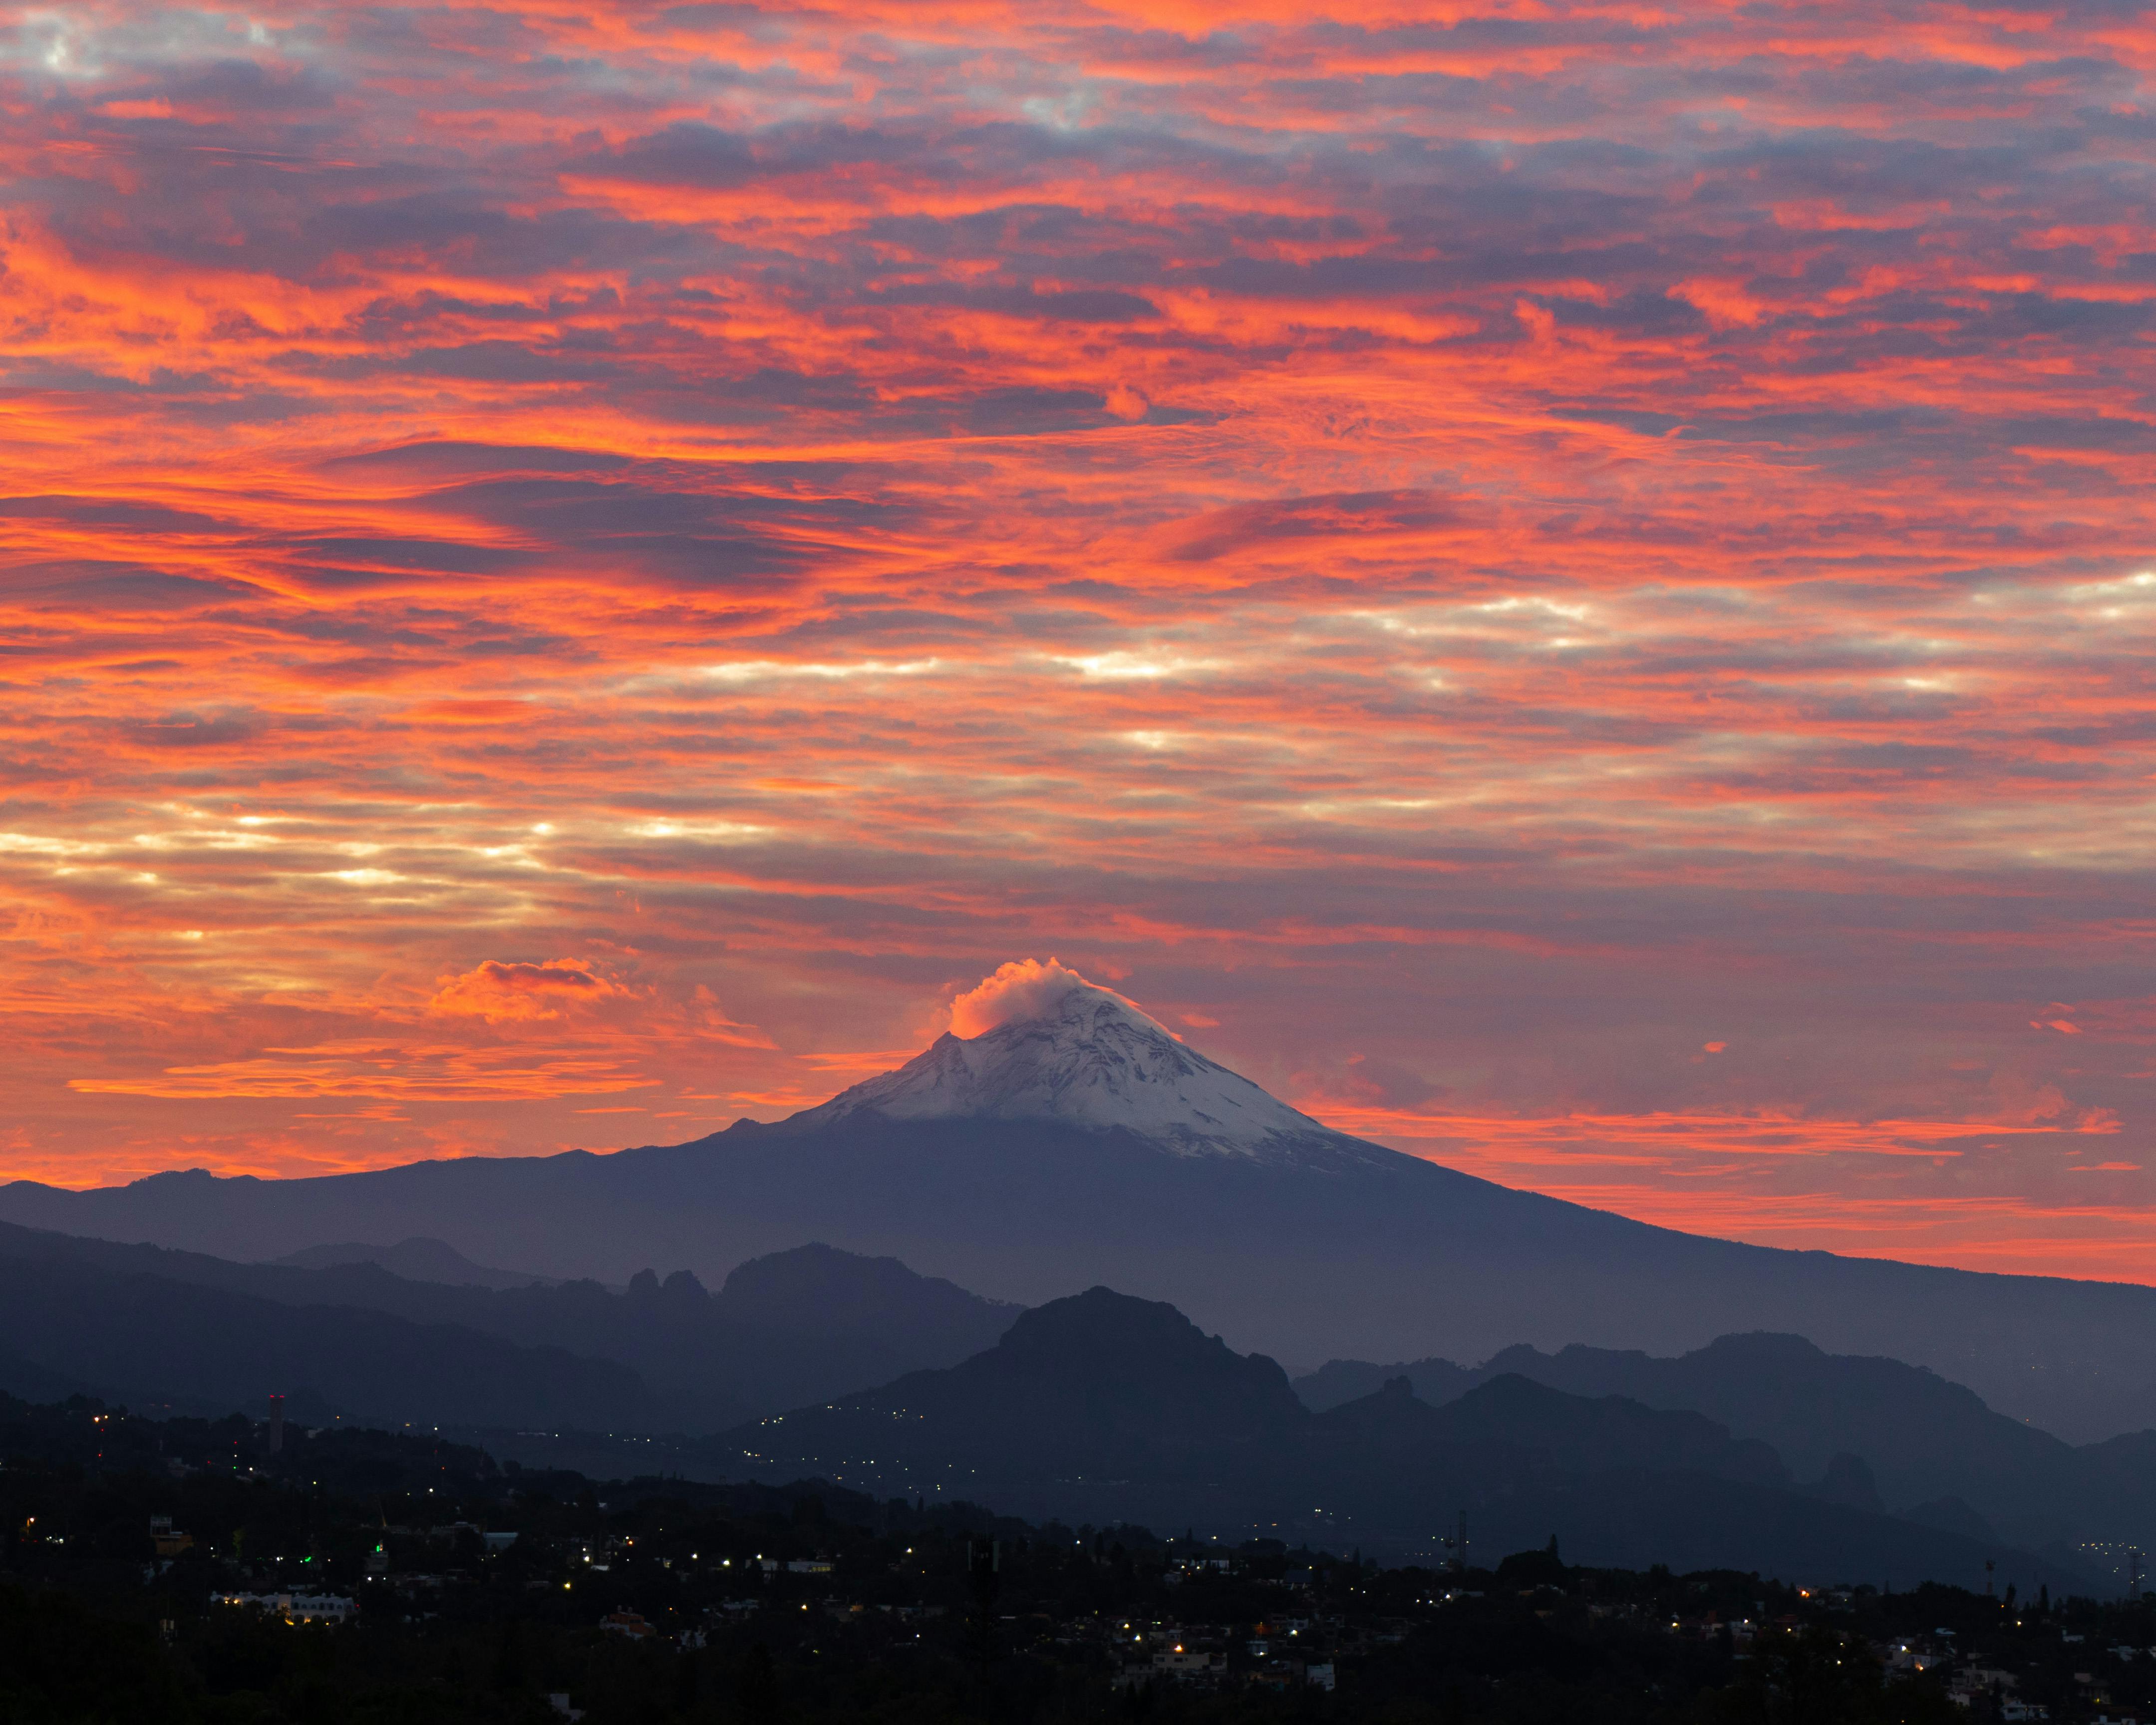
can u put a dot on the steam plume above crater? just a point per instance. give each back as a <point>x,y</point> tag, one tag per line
<point>1025,989</point>
<point>1038,1041</point>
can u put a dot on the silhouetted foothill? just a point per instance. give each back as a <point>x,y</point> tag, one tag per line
<point>152,1339</point>
<point>679,1293</point>
<point>1954,1515</point>
<point>1848,1480</point>
<point>419,1259</point>
<point>1144,1358</point>
<point>818,1289</point>
<point>661,1355</point>
<point>1869,1432</point>
<point>1102,1407</point>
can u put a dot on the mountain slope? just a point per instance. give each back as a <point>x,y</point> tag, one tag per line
<point>415,1260</point>
<point>1102,1408</point>
<point>1928,1444</point>
<point>1066,1162</point>
<point>1570,1434</point>
<point>1098,1385</point>
<point>811,1322</point>
<point>1095,1062</point>
<point>146,1339</point>
<point>1922,1436</point>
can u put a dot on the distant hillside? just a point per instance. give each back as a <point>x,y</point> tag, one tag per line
<point>1097,1385</point>
<point>148,1340</point>
<point>1435,1381</point>
<point>796,1325</point>
<point>1102,1408</point>
<point>1934,1450</point>
<point>415,1260</point>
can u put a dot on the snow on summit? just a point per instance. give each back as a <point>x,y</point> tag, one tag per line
<point>1049,1045</point>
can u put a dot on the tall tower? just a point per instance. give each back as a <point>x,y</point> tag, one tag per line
<point>1457,1545</point>
<point>276,1424</point>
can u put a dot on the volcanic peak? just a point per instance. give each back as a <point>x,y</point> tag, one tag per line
<point>1089,1058</point>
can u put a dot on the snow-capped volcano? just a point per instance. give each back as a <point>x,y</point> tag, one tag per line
<point>1061,1139</point>
<point>1087,1058</point>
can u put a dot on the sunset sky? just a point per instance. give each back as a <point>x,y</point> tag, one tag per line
<point>1569,586</point>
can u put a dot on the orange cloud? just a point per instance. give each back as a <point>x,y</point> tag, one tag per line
<point>519,991</point>
<point>411,1073</point>
<point>1484,543</point>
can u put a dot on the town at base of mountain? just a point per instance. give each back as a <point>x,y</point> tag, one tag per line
<point>196,1571</point>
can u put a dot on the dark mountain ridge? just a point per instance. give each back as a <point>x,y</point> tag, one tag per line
<point>1095,1383</point>
<point>151,1340</point>
<point>415,1260</point>
<point>1567,1434</point>
<point>1102,1407</point>
<point>1929,1447</point>
<point>812,1322</point>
